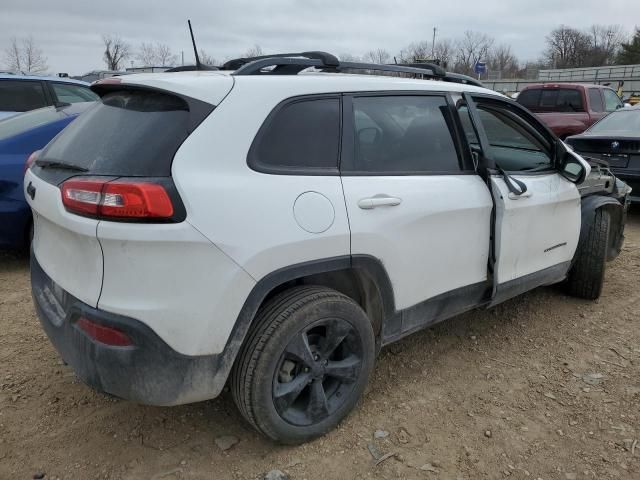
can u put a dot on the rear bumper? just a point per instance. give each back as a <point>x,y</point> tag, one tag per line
<point>148,372</point>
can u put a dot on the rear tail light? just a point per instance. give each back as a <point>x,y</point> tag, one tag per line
<point>125,199</point>
<point>30,160</point>
<point>103,334</point>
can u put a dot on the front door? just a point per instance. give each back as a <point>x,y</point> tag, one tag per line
<point>415,202</point>
<point>537,211</point>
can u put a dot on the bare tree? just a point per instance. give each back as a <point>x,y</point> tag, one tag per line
<point>416,52</point>
<point>605,44</point>
<point>444,51</point>
<point>206,59</point>
<point>25,56</point>
<point>567,47</point>
<point>255,51</point>
<point>116,51</point>
<point>379,55</point>
<point>472,48</point>
<point>164,56</point>
<point>146,54</point>
<point>501,60</point>
<point>158,54</point>
<point>347,57</point>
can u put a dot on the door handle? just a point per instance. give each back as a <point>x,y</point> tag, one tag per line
<point>513,196</point>
<point>379,201</point>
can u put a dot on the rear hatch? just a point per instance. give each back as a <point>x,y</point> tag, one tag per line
<point>113,163</point>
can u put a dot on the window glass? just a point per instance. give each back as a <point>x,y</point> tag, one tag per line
<point>403,134</point>
<point>624,122</point>
<point>595,99</point>
<point>73,93</point>
<point>611,101</point>
<point>21,96</point>
<point>18,124</point>
<point>513,147</point>
<point>529,98</point>
<point>552,100</point>
<point>304,134</point>
<point>132,133</point>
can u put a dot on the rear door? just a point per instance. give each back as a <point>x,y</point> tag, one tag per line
<point>536,232</point>
<point>415,202</point>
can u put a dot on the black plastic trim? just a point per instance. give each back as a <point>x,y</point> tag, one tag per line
<point>435,310</point>
<point>518,286</point>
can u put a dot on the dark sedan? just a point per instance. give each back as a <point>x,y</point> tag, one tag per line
<point>615,139</point>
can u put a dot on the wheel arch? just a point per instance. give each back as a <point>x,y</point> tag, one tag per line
<point>361,277</point>
<point>589,206</point>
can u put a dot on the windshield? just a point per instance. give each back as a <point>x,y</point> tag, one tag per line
<point>17,124</point>
<point>622,122</point>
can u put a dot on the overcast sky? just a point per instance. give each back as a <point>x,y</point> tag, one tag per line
<point>69,32</point>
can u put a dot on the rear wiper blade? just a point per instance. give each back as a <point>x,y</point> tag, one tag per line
<point>61,165</point>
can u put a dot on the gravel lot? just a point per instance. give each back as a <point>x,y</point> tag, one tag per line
<point>543,386</point>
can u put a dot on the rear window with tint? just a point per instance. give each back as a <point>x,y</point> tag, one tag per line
<point>552,100</point>
<point>21,95</point>
<point>134,133</point>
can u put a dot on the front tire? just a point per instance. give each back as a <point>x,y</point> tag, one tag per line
<point>304,365</point>
<point>586,277</point>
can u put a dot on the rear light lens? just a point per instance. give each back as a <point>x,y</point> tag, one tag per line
<point>125,199</point>
<point>103,334</point>
<point>30,160</point>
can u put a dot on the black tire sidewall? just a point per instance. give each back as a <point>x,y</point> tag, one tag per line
<point>267,418</point>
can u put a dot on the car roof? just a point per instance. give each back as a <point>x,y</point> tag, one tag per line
<point>201,84</point>
<point>11,76</point>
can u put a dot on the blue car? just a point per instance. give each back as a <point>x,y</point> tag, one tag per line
<point>22,93</point>
<point>20,136</point>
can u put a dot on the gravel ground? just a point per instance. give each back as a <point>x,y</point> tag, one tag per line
<point>541,387</point>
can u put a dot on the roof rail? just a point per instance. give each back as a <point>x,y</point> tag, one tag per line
<point>326,58</point>
<point>190,68</point>
<point>293,63</point>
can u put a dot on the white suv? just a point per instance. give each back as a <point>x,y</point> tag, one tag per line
<point>275,226</point>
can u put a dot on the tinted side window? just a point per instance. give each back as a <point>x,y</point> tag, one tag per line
<point>302,135</point>
<point>595,99</point>
<point>611,101</point>
<point>73,93</point>
<point>513,147</point>
<point>21,96</point>
<point>403,134</point>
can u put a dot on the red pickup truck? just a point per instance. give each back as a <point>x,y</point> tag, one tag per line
<point>567,108</point>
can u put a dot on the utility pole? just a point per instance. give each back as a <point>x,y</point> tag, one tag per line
<point>433,44</point>
<point>182,53</point>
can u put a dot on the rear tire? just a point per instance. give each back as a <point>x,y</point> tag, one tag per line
<point>304,365</point>
<point>586,277</point>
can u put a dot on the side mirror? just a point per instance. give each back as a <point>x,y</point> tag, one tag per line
<point>573,167</point>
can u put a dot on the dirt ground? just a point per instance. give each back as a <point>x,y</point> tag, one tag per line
<point>541,387</point>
